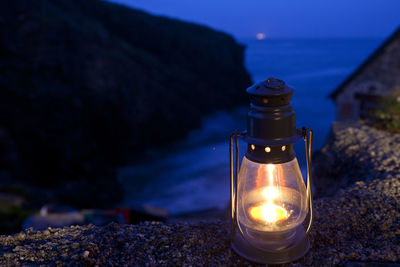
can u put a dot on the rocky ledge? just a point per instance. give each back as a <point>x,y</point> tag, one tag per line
<point>355,152</point>
<point>360,225</point>
<point>357,227</point>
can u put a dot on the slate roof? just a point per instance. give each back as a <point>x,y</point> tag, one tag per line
<point>366,63</point>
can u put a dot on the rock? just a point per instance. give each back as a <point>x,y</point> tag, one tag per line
<point>371,264</point>
<point>59,216</point>
<point>356,152</point>
<point>85,254</point>
<point>87,85</point>
<point>360,225</point>
<point>42,222</point>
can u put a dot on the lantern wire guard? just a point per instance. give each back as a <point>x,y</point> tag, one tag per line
<point>277,217</point>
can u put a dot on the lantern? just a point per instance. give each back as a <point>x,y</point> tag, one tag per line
<point>271,207</point>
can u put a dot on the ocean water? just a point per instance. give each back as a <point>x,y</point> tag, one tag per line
<point>193,174</point>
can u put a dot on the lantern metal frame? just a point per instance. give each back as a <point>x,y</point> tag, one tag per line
<point>254,253</point>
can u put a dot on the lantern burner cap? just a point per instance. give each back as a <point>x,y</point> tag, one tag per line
<point>271,87</point>
<point>274,84</point>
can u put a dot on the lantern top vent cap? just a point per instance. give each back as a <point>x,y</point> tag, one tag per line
<point>270,86</point>
<point>274,83</point>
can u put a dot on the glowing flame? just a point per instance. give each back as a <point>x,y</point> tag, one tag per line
<point>268,213</point>
<point>270,192</point>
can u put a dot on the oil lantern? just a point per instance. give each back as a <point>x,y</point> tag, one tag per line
<point>271,206</point>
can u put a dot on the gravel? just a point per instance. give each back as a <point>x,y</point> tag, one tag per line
<point>358,226</point>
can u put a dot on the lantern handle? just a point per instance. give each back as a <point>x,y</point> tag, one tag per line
<point>308,139</point>
<point>234,202</point>
<point>233,174</point>
<point>231,180</point>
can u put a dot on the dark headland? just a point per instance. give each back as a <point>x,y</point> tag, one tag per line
<point>87,86</point>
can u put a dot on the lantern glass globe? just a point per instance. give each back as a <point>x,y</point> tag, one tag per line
<point>272,198</point>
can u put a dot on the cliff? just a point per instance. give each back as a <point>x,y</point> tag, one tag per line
<point>84,85</point>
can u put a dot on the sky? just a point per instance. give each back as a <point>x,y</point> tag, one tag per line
<point>283,19</point>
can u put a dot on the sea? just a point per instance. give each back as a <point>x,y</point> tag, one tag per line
<point>192,175</point>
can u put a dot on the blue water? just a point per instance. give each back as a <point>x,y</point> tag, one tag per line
<point>193,174</point>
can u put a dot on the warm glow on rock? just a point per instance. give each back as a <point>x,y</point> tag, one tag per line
<point>268,213</point>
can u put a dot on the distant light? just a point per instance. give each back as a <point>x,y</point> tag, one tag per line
<point>261,36</point>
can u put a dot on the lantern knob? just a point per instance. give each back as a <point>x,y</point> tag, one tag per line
<point>271,88</point>
<point>274,84</point>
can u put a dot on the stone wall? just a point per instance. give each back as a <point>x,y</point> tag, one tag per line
<point>380,76</point>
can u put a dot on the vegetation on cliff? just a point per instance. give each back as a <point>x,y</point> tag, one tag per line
<point>387,116</point>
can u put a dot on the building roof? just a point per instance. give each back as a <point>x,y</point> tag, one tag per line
<point>365,64</point>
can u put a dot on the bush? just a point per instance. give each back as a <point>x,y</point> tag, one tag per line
<point>387,116</point>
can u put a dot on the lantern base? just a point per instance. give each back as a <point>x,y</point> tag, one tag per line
<point>251,253</point>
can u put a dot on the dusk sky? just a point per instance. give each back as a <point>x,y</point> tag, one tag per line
<point>283,19</point>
